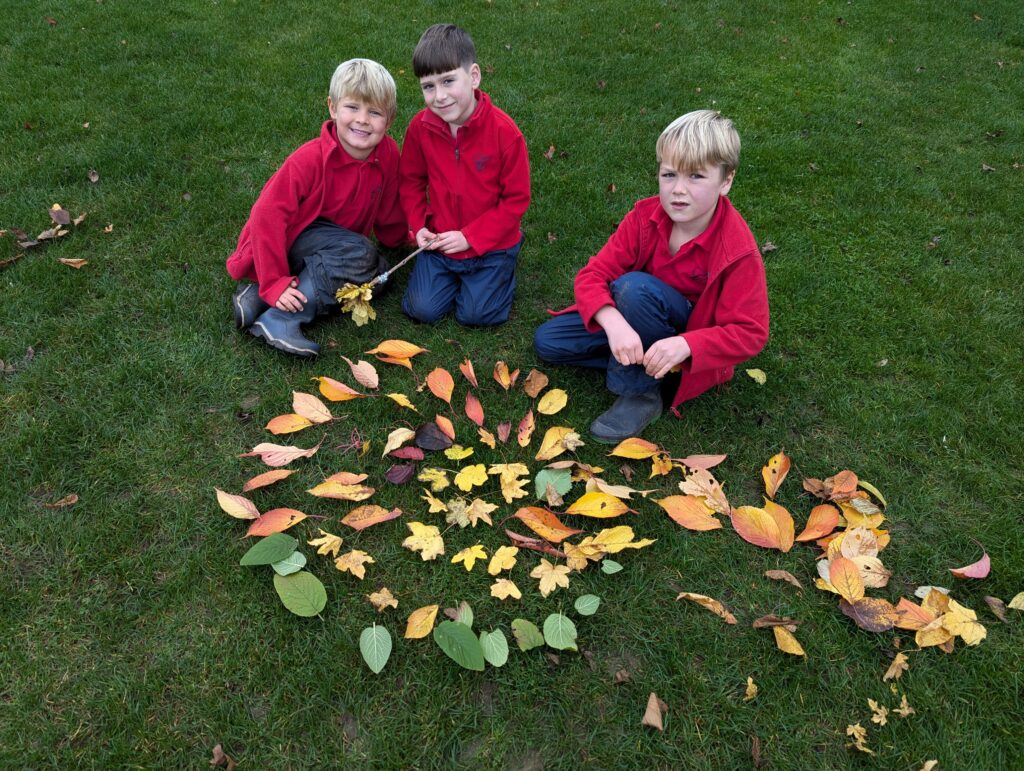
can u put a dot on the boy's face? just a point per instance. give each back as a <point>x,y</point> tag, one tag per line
<point>449,95</point>
<point>689,198</point>
<point>360,126</point>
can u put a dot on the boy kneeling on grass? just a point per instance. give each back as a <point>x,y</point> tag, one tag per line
<point>679,285</point>
<point>306,235</point>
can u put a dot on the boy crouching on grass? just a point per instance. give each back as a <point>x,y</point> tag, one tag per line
<point>680,284</point>
<point>465,187</point>
<point>306,235</point>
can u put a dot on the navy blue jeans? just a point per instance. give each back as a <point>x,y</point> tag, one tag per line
<point>479,289</point>
<point>654,310</point>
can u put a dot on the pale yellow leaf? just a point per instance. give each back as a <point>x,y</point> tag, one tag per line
<point>237,506</point>
<point>552,402</point>
<point>787,642</point>
<point>503,559</point>
<point>758,376</point>
<point>880,714</point>
<point>469,556</point>
<point>899,665</point>
<point>503,588</point>
<point>397,438</point>
<point>311,408</point>
<point>435,477</point>
<point>458,452</point>
<point>327,543</point>
<point>421,622</point>
<point>751,692</point>
<point>551,576</point>
<point>382,600</point>
<point>426,539</point>
<point>354,562</point>
<point>709,604</point>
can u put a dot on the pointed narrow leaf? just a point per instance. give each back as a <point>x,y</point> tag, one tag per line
<point>756,526</point>
<point>375,646</point>
<point>704,462</point>
<point>369,515</point>
<point>525,429</point>
<point>494,647</point>
<point>821,522</point>
<point>397,349</point>
<point>635,449</point>
<point>288,424</point>
<point>690,511</point>
<point>560,632</point>
<point>474,410</point>
<point>237,506</point>
<point>545,524</point>
<point>446,426</point>
<point>787,642</point>
<point>364,373</point>
<point>269,550</point>
<point>598,505</point>
<point>420,622</point>
<point>441,384</point>
<point>301,593</point>
<point>279,455</point>
<point>774,472</point>
<point>845,577</point>
<point>274,521</point>
<point>266,479</point>
<point>311,408</point>
<point>336,391</point>
<point>460,644</point>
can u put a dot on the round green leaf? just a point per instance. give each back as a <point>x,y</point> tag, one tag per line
<point>461,645</point>
<point>587,604</point>
<point>302,593</point>
<point>610,566</point>
<point>293,563</point>
<point>560,632</point>
<point>269,550</point>
<point>495,647</point>
<point>560,478</point>
<point>375,645</point>
<point>527,634</point>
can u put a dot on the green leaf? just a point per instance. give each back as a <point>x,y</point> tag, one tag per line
<point>461,645</point>
<point>375,645</point>
<point>560,478</point>
<point>610,566</point>
<point>302,593</point>
<point>495,647</point>
<point>293,563</point>
<point>587,604</point>
<point>464,614</point>
<point>560,632</point>
<point>527,634</point>
<point>269,550</point>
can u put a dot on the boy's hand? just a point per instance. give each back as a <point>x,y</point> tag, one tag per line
<point>450,242</point>
<point>424,237</point>
<point>624,342</point>
<point>291,300</point>
<point>664,354</point>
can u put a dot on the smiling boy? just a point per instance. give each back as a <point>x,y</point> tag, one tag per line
<point>306,234</point>
<point>679,284</point>
<point>465,186</point>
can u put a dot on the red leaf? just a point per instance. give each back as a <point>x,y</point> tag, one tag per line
<point>977,569</point>
<point>474,410</point>
<point>408,453</point>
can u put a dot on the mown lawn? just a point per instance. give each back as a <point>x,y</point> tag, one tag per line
<point>883,159</point>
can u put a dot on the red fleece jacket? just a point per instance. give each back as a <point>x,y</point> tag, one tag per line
<point>729,320</point>
<point>477,181</point>
<point>318,180</point>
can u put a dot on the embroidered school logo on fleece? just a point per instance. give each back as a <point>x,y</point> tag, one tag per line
<point>481,162</point>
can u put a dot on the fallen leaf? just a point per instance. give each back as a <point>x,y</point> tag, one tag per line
<point>470,555</point>
<point>504,430</point>
<point>446,426</point>
<point>421,622</point>
<point>397,349</point>
<point>327,543</point>
<point>510,477</point>
<point>911,616</point>
<point>369,515</point>
<point>598,505</point>
<point>963,622</point>
<point>784,521</point>
<point>401,473</point>
<point>757,375</point>
<point>535,382</point>
<point>765,622</point>
<point>343,486</point>
<point>503,588</point>
<point>275,521</point>
<point>701,482</point>
<point>526,426</point>
<point>860,736</point>
<point>407,453</point>
<point>354,562</point>
<point>757,526</point>
<point>997,606</point>
<point>487,437</point>
<point>435,477</point>
<point>426,539</point>
<point>704,462</point>
<point>311,408</point>
<point>873,614</point>
<point>774,473</point>
<point>93,176</point>
<point>558,439</point>
<point>786,642</point>
<point>534,544</point>
<point>551,576</point>
<point>899,665</point>
<point>503,559</point>
<point>502,375</point>
<point>278,455</point>
<point>109,228</point>
<point>458,452</point>
<point>904,710</point>
<point>552,402</point>
<point>545,524</point>
<point>441,384</point>
<point>822,521</point>
<point>654,711</point>
<point>336,391</point>
<point>474,409</point>
<point>73,262</point>
<point>400,362</point>
<point>979,569</point>
<point>382,600</point>
<point>751,692</point>
<point>470,477</point>
<point>635,449</point>
<point>219,757</point>
<point>72,498</point>
<point>845,577</point>
<point>613,540</point>
<point>783,575</point>
<point>469,373</point>
<point>550,152</point>
<point>288,424</point>
<point>708,603</point>
<point>880,714</point>
<point>397,438</point>
<point>402,401</point>
<point>690,511</point>
<point>1017,603</point>
<point>364,373</point>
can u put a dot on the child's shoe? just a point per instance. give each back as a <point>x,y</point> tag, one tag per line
<point>247,305</point>
<point>628,417</point>
<point>283,330</point>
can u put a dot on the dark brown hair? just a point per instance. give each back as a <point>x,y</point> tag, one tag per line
<point>442,48</point>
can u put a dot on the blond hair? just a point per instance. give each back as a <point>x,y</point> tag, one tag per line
<point>698,139</point>
<point>367,80</point>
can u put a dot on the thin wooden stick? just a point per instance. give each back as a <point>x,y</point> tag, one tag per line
<point>387,274</point>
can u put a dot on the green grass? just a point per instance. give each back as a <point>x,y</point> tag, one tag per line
<point>132,637</point>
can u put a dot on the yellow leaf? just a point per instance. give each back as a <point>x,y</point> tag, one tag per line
<point>339,490</point>
<point>612,540</point>
<point>690,511</point>
<point>435,477</point>
<point>845,577</point>
<point>873,573</point>
<point>635,449</point>
<point>503,588</point>
<point>774,472</point>
<point>354,562</point>
<point>397,349</point>
<point>403,401</point>
<point>709,604</point>
<point>861,513</point>
<point>904,709</point>
<point>356,300</point>
<point>701,482</point>
<point>576,558</point>
<point>288,424</point>
<point>470,477</point>
<point>503,559</point>
<point>480,510</point>
<point>860,737</point>
<point>751,692</point>
<point>397,438</point>
<point>756,526</point>
<point>505,378</point>
<point>382,600</point>
<point>1017,603</point>
<point>551,576</point>
<point>661,465</point>
<point>557,440</point>
<point>469,556</point>
<point>369,515</point>
<point>426,539</point>
<point>509,476</point>
<point>311,408</point>
<point>553,401</point>
<point>932,634</point>
<point>421,622</point>
<point>237,506</point>
<point>458,452</point>
<point>784,521</point>
<point>327,543</point>
<point>963,622</point>
<point>487,437</point>
<point>436,505</point>
<point>758,376</point>
<point>787,642</point>
<point>900,664</point>
<point>337,392</point>
<point>441,384</point>
<point>881,713</point>
<point>598,505</point>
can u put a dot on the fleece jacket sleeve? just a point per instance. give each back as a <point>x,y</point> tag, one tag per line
<point>491,229</point>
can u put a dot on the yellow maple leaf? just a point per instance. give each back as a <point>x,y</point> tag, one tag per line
<point>458,452</point>
<point>899,665</point>
<point>508,469</point>
<point>503,589</point>
<point>614,539</point>
<point>487,437</point>
<point>575,559</point>
<point>356,300</point>
<point>327,543</point>
<point>480,510</point>
<point>661,465</point>
<point>551,577</point>
<point>1017,603</point>
<point>469,556</point>
<point>382,600</point>
<point>503,559</point>
<point>751,692</point>
<point>420,622</point>
<point>933,633</point>
<point>963,622</point>
<point>470,477</point>
<point>426,539</point>
<point>354,562</point>
<point>436,504</point>
<point>880,713</point>
<point>435,477</point>
<point>557,440</point>
<point>403,401</point>
<point>904,709</point>
<point>860,736</point>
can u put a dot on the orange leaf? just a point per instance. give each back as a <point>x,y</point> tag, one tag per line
<point>545,524</point>
<point>68,500</point>
<point>784,521</point>
<point>525,429</point>
<point>709,603</point>
<point>534,383</point>
<point>237,506</point>
<point>774,472</point>
<point>400,362</point>
<point>337,392</point>
<point>469,373</point>
<point>912,616</point>
<point>311,408</point>
<point>274,521</point>
<point>474,410</point>
<point>756,526</point>
<point>73,262</point>
<point>635,448</point>
<point>598,505</point>
<point>267,478</point>
<point>288,424</point>
<point>446,426</point>
<point>279,455</point>
<point>977,569</point>
<point>821,522</point>
<point>505,378</point>
<point>364,373</point>
<point>369,515</point>
<point>441,384</point>
<point>397,349</point>
<point>845,577</point>
<point>689,511</point>
<point>842,486</point>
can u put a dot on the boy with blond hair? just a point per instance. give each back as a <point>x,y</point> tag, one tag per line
<point>307,233</point>
<point>680,285</point>
<point>465,185</point>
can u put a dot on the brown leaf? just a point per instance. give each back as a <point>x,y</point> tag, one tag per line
<point>870,613</point>
<point>221,758</point>
<point>534,544</point>
<point>401,473</point>
<point>534,383</point>
<point>59,215</point>
<point>504,430</point>
<point>67,500</point>
<point>94,176</point>
<point>655,709</point>
<point>772,620</point>
<point>550,152</point>
<point>783,575</point>
<point>997,606</point>
<point>51,21</point>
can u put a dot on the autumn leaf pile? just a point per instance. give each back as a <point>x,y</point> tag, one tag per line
<point>544,499</point>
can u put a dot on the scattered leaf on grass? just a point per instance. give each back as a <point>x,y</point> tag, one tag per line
<point>311,408</point>
<point>375,646</point>
<point>783,575</point>
<point>288,424</point>
<point>494,647</point>
<point>369,515</point>
<point>560,632</point>
<point>653,712</point>
<point>899,665</point>
<point>469,556</point>
<point>421,622</point>
<point>73,262</point>
<point>337,391</point>
<point>274,521</point>
<point>598,505</point>
<point>327,543</point>
<point>397,349</point>
<point>535,382</point>
<point>872,614</point>
<point>279,455</point>
<point>774,473</point>
<point>704,462</point>
<point>610,567</point>
<point>822,521</point>
<point>904,710</point>
<point>364,373</point>
<point>527,634</point>
<point>545,524</point>
<point>880,713</point>
<point>402,401</point>
<point>503,377</point>
<point>552,402</point>
<point>751,693</point>
<point>690,511</point>
<point>441,384</point>
<point>269,550</point>
<point>293,563</point>
<point>401,473</point>
<point>460,645</point>
<point>997,606</point>
<point>757,375</point>
<point>221,758</point>
<point>354,562</point>
<point>550,576</point>
<point>425,539</point>
<point>382,600</point>
<point>860,737</point>
<point>503,588</point>
<point>979,569</point>
<point>709,604</point>
<point>265,479</point>
<point>587,604</point>
<point>786,642</point>
<point>635,449</point>
<point>474,409</point>
<point>431,438</point>
<point>72,499</point>
<point>525,433</point>
<point>302,593</point>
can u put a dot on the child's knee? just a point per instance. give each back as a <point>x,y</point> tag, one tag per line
<point>422,309</point>
<point>481,317</point>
